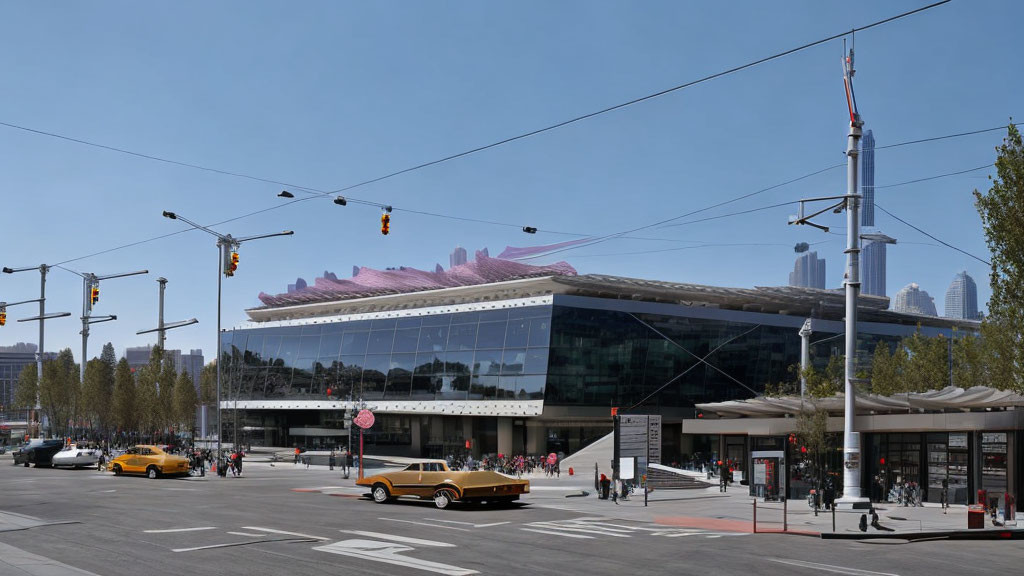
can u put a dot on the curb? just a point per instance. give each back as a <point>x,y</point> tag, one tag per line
<point>984,534</point>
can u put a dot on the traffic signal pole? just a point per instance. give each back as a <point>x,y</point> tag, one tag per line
<point>90,296</point>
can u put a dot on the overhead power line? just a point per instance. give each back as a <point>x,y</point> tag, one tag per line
<point>943,242</point>
<point>946,175</point>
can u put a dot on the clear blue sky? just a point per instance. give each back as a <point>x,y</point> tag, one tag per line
<point>326,94</point>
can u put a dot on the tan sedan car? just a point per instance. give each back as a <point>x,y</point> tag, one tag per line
<point>434,480</point>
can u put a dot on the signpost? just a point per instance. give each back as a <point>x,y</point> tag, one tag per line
<point>637,443</point>
<point>364,420</point>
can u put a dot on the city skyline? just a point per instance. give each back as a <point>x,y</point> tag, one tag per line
<point>808,271</point>
<point>873,263</point>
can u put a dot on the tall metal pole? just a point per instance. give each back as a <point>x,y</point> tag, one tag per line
<point>43,268</point>
<point>160,317</point>
<point>220,259</point>
<point>851,440</point>
<point>805,355</point>
<point>86,301</point>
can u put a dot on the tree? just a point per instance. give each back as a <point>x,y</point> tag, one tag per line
<point>827,382</point>
<point>812,432</point>
<point>1002,211</point>
<point>59,391</point>
<point>148,393</point>
<point>28,387</point>
<point>208,384</point>
<point>97,390</point>
<point>927,365</point>
<point>109,358</point>
<point>185,402</point>
<point>125,412</point>
<point>165,387</point>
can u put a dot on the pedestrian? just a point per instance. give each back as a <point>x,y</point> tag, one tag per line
<point>348,461</point>
<point>331,460</point>
<point>944,496</point>
<point>100,462</point>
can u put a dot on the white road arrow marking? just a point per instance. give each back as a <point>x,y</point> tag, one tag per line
<point>402,539</point>
<point>272,531</point>
<point>390,553</point>
<point>426,524</point>
<point>552,532</point>
<point>169,530</point>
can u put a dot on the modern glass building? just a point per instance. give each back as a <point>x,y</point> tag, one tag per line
<point>872,263</point>
<point>808,271</point>
<point>867,179</point>
<point>531,365</point>
<point>962,298</point>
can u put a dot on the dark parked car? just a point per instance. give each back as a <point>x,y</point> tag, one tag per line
<point>37,451</point>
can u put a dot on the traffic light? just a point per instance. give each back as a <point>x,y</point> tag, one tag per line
<point>230,263</point>
<point>385,224</point>
<point>3,318</point>
<point>94,295</point>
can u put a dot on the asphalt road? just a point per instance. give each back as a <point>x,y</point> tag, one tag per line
<point>284,521</point>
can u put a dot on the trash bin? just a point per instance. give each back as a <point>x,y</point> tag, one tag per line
<point>975,517</point>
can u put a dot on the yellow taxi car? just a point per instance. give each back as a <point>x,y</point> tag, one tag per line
<point>433,479</point>
<point>149,460</point>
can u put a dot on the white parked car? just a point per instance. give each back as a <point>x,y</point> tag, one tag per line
<point>74,456</point>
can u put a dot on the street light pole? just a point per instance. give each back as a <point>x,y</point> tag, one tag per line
<point>225,242</point>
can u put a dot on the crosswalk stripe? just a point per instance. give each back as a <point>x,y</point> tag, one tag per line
<point>552,532</point>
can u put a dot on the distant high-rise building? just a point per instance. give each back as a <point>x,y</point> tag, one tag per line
<point>962,298</point>
<point>867,179</point>
<point>138,356</point>
<point>872,263</point>
<point>912,300</point>
<point>12,360</point>
<point>458,257</point>
<point>808,271</point>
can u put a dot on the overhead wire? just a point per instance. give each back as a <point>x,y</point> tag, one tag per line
<point>943,242</point>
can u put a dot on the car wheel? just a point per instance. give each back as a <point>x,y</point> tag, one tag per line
<point>380,493</point>
<point>26,463</point>
<point>117,469</point>
<point>152,473</point>
<point>442,498</point>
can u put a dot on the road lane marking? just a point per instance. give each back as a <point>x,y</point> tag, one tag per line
<point>208,547</point>
<point>247,534</point>
<point>402,539</point>
<point>273,531</point>
<point>426,524</point>
<point>169,530</point>
<point>830,568</point>
<point>390,553</point>
<point>469,523</point>
<point>537,530</point>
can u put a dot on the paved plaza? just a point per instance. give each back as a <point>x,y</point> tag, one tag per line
<point>290,519</point>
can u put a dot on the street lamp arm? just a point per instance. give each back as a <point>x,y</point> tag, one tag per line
<point>174,216</point>
<point>8,270</point>
<point>6,304</point>
<point>109,276</point>
<point>46,317</point>
<point>170,326</point>
<point>257,237</point>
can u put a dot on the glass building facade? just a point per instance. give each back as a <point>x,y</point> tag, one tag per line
<point>487,355</point>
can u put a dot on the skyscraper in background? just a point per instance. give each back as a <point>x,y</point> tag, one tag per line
<point>912,300</point>
<point>458,257</point>
<point>808,271</point>
<point>872,263</point>
<point>962,298</point>
<point>867,180</point>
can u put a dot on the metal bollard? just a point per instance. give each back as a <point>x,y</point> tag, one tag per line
<point>755,515</point>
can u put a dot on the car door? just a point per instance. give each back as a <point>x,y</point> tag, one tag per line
<point>405,481</point>
<point>433,474</point>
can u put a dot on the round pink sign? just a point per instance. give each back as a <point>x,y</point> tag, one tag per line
<point>552,458</point>
<point>364,419</point>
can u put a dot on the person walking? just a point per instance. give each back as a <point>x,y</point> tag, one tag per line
<point>331,460</point>
<point>297,452</point>
<point>348,461</point>
<point>723,476</point>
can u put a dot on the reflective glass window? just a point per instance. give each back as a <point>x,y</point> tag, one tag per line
<point>530,387</point>
<point>279,381</point>
<point>540,331</point>
<point>375,371</point>
<point>513,360</point>
<point>383,323</point>
<point>309,345</point>
<point>400,376</point>
<point>311,330</point>
<point>458,369</point>
<point>462,337</point>
<point>433,338</point>
<point>354,343</point>
<point>357,325</point>
<point>410,322</point>
<point>517,334</point>
<point>426,378</point>
<point>437,320</point>
<point>506,388</point>
<point>330,346</point>
<point>492,315</point>
<point>465,318</point>
<point>490,335</point>
<point>350,372</point>
<point>483,387</point>
<point>487,362</point>
<point>271,346</point>
<point>289,350</point>
<point>406,340</point>
<point>536,361</point>
<point>253,350</point>
<point>530,312</point>
<point>380,342</point>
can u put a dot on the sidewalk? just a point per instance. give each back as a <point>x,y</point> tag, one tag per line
<point>17,562</point>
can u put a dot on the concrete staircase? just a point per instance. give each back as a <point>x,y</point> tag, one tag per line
<point>666,478</point>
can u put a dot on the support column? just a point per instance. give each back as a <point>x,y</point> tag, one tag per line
<point>535,438</point>
<point>505,436</point>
